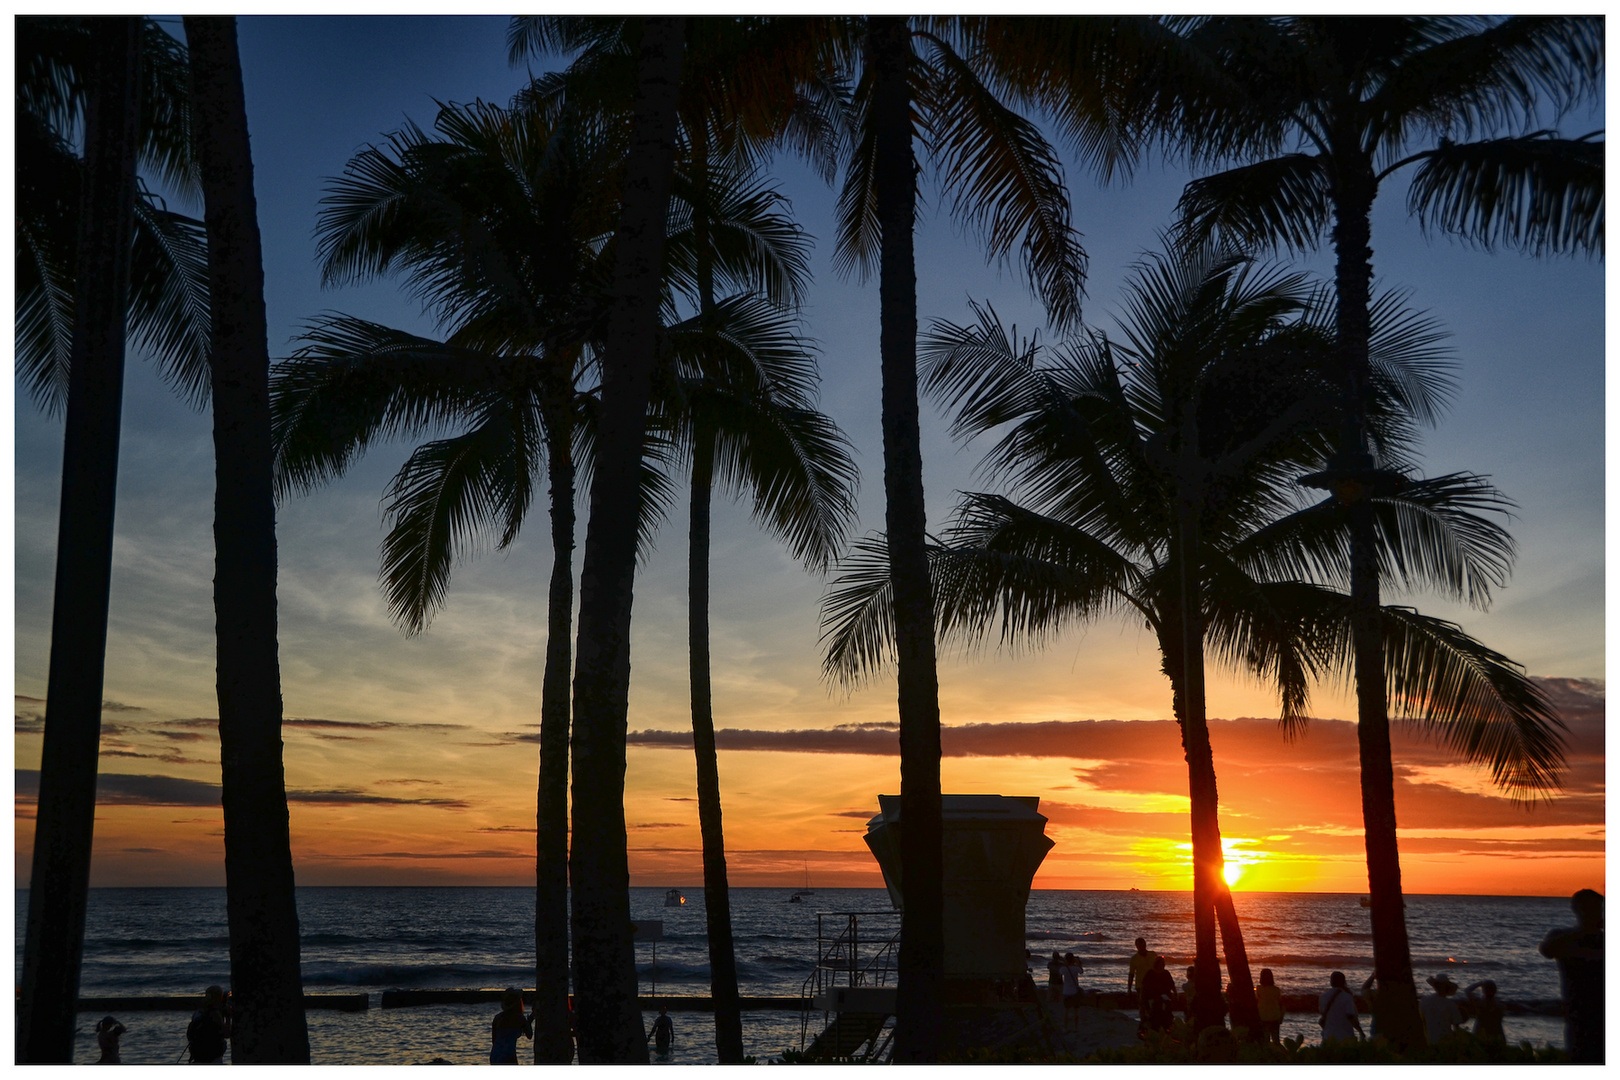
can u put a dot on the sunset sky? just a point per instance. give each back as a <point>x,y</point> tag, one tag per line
<point>413,760</point>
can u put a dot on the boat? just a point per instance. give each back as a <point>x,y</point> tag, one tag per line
<point>673,898</point>
<point>799,894</point>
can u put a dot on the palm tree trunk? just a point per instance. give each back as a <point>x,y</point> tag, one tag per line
<point>553,1040</point>
<point>723,991</point>
<point>610,1027</point>
<point>716,890</point>
<point>64,826</point>
<point>1245,1009</point>
<point>1208,862</point>
<point>920,1000</point>
<point>261,909</point>
<point>1398,1017</point>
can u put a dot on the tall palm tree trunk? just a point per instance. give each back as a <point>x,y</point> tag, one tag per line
<point>723,990</point>
<point>1208,862</point>
<point>65,823</point>
<point>920,1000</point>
<point>1245,1009</point>
<point>1396,1001</point>
<point>261,909</point>
<point>553,1041</point>
<point>716,890</point>
<point>610,1027</point>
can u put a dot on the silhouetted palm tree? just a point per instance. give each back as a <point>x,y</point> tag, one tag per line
<point>498,219</point>
<point>610,1027</point>
<point>261,908</point>
<point>747,419</point>
<point>1214,399</point>
<point>168,289</point>
<point>65,820</point>
<point>1344,104</point>
<point>743,92</point>
<point>931,80</point>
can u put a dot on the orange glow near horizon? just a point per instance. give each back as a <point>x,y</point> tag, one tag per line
<point>459,808</point>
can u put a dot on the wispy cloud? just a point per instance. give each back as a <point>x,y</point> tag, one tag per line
<point>157,790</point>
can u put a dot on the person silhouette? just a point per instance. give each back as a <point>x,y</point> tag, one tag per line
<point>210,1028</point>
<point>107,1032</point>
<point>508,1024</point>
<point>1158,997</point>
<point>663,1032</point>
<point>1487,1013</point>
<point>1268,1003</point>
<point>1579,952</point>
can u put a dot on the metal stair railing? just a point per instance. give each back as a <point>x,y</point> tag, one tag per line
<point>839,960</point>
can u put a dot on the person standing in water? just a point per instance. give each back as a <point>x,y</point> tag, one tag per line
<point>107,1032</point>
<point>508,1024</point>
<point>663,1032</point>
<point>1054,977</point>
<point>1579,952</point>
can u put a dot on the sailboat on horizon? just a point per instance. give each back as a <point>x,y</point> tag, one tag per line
<point>799,894</point>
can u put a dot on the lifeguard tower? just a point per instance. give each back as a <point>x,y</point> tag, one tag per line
<point>992,846</point>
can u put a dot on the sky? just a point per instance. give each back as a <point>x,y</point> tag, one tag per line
<point>414,759</point>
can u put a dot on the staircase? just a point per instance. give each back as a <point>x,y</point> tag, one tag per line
<point>847,1034</point>
<point>853,992</point>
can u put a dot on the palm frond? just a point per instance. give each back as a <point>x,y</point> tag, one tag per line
<point>1282,201</point>
<point>1004,180</point>
<point>1474,701</point>
<point>1537,193</point>
<point>354,382</point>
<point>446,494</point>
<point>168,297</point>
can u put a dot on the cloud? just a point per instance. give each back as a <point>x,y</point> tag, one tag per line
<point>852,813</point>
<point>119,706</point>
<point>410,780</point>
<point>348,856</point>
<point>148,790</point>
<point>661,825</point>
<point>506,828</point>
<point>344,797</point>
<point>132,789</point>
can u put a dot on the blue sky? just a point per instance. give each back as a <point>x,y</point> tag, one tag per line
<point>1528,334</point>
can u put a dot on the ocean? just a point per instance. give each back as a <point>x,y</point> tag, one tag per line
<point>174,941</point>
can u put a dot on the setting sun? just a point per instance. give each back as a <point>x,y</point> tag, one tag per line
<point>1238,859</point>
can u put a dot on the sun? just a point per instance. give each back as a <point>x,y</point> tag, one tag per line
<point>1239,857</point>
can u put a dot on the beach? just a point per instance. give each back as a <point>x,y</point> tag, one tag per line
<point>368,940</point>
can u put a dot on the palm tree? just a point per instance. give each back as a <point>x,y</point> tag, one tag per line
<point>749,426</point>
<point>497,218</point>
<point>610,1028</point>
<point>261,908</point>
<point>1002,178</point>
<point>1214,398</point>
<point>1334,107</point>
<point>739,98</point>
<point>168,288</point>
<point>65,821</point>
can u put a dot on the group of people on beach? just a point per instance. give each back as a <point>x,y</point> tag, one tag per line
<point>1578,951</point>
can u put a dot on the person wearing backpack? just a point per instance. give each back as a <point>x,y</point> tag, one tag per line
<point>1338,1006</point>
